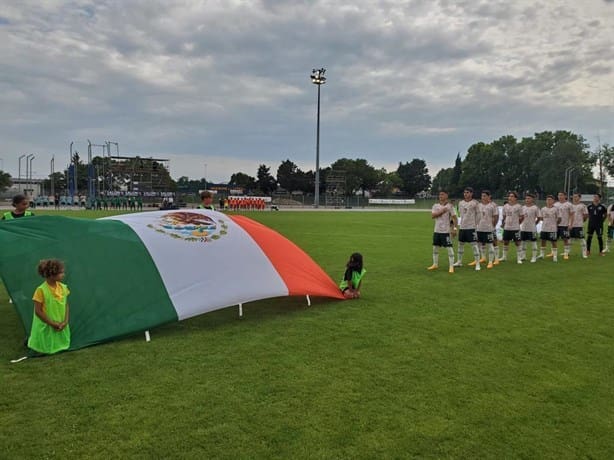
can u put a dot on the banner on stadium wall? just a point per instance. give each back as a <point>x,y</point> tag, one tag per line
<point>133,272</point>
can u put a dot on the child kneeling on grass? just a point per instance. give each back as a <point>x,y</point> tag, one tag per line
<point>354,271</point>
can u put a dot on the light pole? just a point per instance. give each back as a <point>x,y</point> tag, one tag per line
<point>318,78</point>
<point>52,167</point>
<point>30,179</point>
<point>19,168</point>
<point>28,164</point>
<point>205,176</point>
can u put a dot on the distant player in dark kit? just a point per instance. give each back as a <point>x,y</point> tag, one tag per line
<point>596,215</point>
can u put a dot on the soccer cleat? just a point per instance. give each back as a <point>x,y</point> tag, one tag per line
<point>503,259</point>
<point>490,265</point>
<point>478,268</point>
<point>550,255</point>
<point>472,263</point>
<point>496,262</point>
<point>451,270</point>
<point>602,253</point>
<point>565,256</point>
<point>554,259</point>
<point>432,267</point>
<point>533,260</point>
<point>458,263</point>
<point>584,256</point>
<point>541,256</point>
<point>483,260</point>
<point>519,262</point>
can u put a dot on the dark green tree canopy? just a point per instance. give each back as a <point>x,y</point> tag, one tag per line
<point>5,181</point>
<point>414,176</point>
<point>266,182</point>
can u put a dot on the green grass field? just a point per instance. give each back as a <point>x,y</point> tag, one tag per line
<point>514,362</point>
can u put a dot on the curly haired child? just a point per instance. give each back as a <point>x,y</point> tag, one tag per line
<point>354,271</point>
<point>50,330</point>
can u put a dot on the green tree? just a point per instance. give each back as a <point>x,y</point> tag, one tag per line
<point>414,176</point>
<point>604,159</point>
<point>442,181</point>
<point>266,182</point>
<point>59,182</point>
<point>359,175</point>
<point>289,176</point>
<point>387,183</point>
<point>563,151</point>
<point>482,168</point>
<point>5,181</point>
<point>457,171</point>
<point>240,179</point>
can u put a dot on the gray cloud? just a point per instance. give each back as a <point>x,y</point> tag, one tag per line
<point>231,80</point>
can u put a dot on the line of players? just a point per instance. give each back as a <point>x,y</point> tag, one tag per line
<point>478,223</point>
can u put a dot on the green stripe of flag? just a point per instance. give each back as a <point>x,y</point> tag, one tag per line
<point>115,286</point>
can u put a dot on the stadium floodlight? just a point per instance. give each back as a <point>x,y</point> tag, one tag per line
<point>318,78</point>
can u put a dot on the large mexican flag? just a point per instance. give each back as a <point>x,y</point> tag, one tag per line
<point>132,272</point>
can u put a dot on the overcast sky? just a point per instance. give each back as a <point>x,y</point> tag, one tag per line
<point>226,83</point>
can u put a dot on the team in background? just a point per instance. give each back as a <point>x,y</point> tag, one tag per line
<point>476,225</point>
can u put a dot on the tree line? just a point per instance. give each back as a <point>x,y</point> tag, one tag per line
<point>538,164</point>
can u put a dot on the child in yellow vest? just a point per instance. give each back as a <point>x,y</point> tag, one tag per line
<point>50,330</point>
<point>354,271</point>
<point>21,204</point>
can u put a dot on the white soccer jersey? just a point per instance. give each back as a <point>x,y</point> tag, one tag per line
<point>442,223</point>
<point>550,217</point>
<point>469,214</point>
<point>511,214</point>
<point>487,212</point>
<point>564,212</point>
<point>579,211</point>
<point>531,214</point>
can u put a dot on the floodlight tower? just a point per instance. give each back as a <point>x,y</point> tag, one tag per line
<point>318,78</point>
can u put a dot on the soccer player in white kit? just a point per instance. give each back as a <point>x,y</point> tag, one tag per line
<point>443,213</point>
<point>564,208</point>
<point>512,218</point>
<point>550,221</point>
<point>489,215</point>
<point>469,215</point>
<point>579,214</point>
<point>528,227</point>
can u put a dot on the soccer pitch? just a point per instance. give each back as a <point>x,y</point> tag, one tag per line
<point>510,362</point>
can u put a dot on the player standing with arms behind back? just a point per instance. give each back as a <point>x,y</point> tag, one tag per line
<point>596,215</point>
